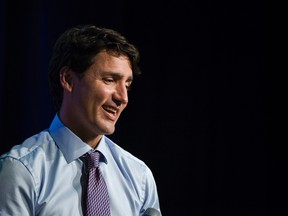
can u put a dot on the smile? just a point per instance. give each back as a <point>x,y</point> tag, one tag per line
<point>110,109</point>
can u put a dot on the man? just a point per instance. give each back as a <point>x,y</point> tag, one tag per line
<point>90,73</point>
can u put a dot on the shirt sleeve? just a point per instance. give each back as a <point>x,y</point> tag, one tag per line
<point>17,188</point>
<point>151,193</point>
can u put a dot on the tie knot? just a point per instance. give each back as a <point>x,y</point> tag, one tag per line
<point>93,159</point>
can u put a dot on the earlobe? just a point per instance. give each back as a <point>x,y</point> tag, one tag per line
<point>66,78</point>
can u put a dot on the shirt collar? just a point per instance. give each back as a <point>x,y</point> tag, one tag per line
<point>70,144</point>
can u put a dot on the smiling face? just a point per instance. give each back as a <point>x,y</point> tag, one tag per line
<point>92,104</point>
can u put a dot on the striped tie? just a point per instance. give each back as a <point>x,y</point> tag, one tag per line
<point>97,193</point>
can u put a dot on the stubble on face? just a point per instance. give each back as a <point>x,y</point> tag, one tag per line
<point>100,96</point>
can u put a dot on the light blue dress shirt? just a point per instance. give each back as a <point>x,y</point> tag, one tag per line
<point>45,175</point>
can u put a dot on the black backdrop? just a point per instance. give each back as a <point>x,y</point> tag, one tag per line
<point>200,116</point>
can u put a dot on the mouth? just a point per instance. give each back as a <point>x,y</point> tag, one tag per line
<point>112,111</point>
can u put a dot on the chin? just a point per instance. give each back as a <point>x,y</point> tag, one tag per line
<point>109,131</point>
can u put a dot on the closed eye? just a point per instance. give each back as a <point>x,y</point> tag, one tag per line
<point>108,80</point>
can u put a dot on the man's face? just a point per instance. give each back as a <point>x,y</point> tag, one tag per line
<point>96,101</point>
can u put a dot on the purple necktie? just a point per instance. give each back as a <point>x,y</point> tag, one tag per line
<point>97,193</point>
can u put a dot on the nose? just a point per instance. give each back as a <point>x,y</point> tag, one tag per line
<point>120,95</point>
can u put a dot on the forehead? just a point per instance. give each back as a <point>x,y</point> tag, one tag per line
<point>105,63</point>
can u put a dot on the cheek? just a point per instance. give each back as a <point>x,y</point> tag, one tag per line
<point>102,93</point>
<point>95,93</point>
<point>99,96</point>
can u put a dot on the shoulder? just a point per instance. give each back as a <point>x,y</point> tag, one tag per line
<point>28,159</point>
<point>128,162</point>
<point>122,154</point>
<point>130,165</point>
<point>29,147</point>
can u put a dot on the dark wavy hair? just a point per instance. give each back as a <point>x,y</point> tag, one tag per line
<point>77,47</point>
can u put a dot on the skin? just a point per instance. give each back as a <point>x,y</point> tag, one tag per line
<point>92,105</point>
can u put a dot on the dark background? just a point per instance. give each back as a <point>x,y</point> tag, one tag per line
<point>202,114</point>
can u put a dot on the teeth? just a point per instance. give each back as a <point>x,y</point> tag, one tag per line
<point>110,109</point>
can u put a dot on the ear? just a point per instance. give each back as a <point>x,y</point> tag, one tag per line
<point>66,78</point>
